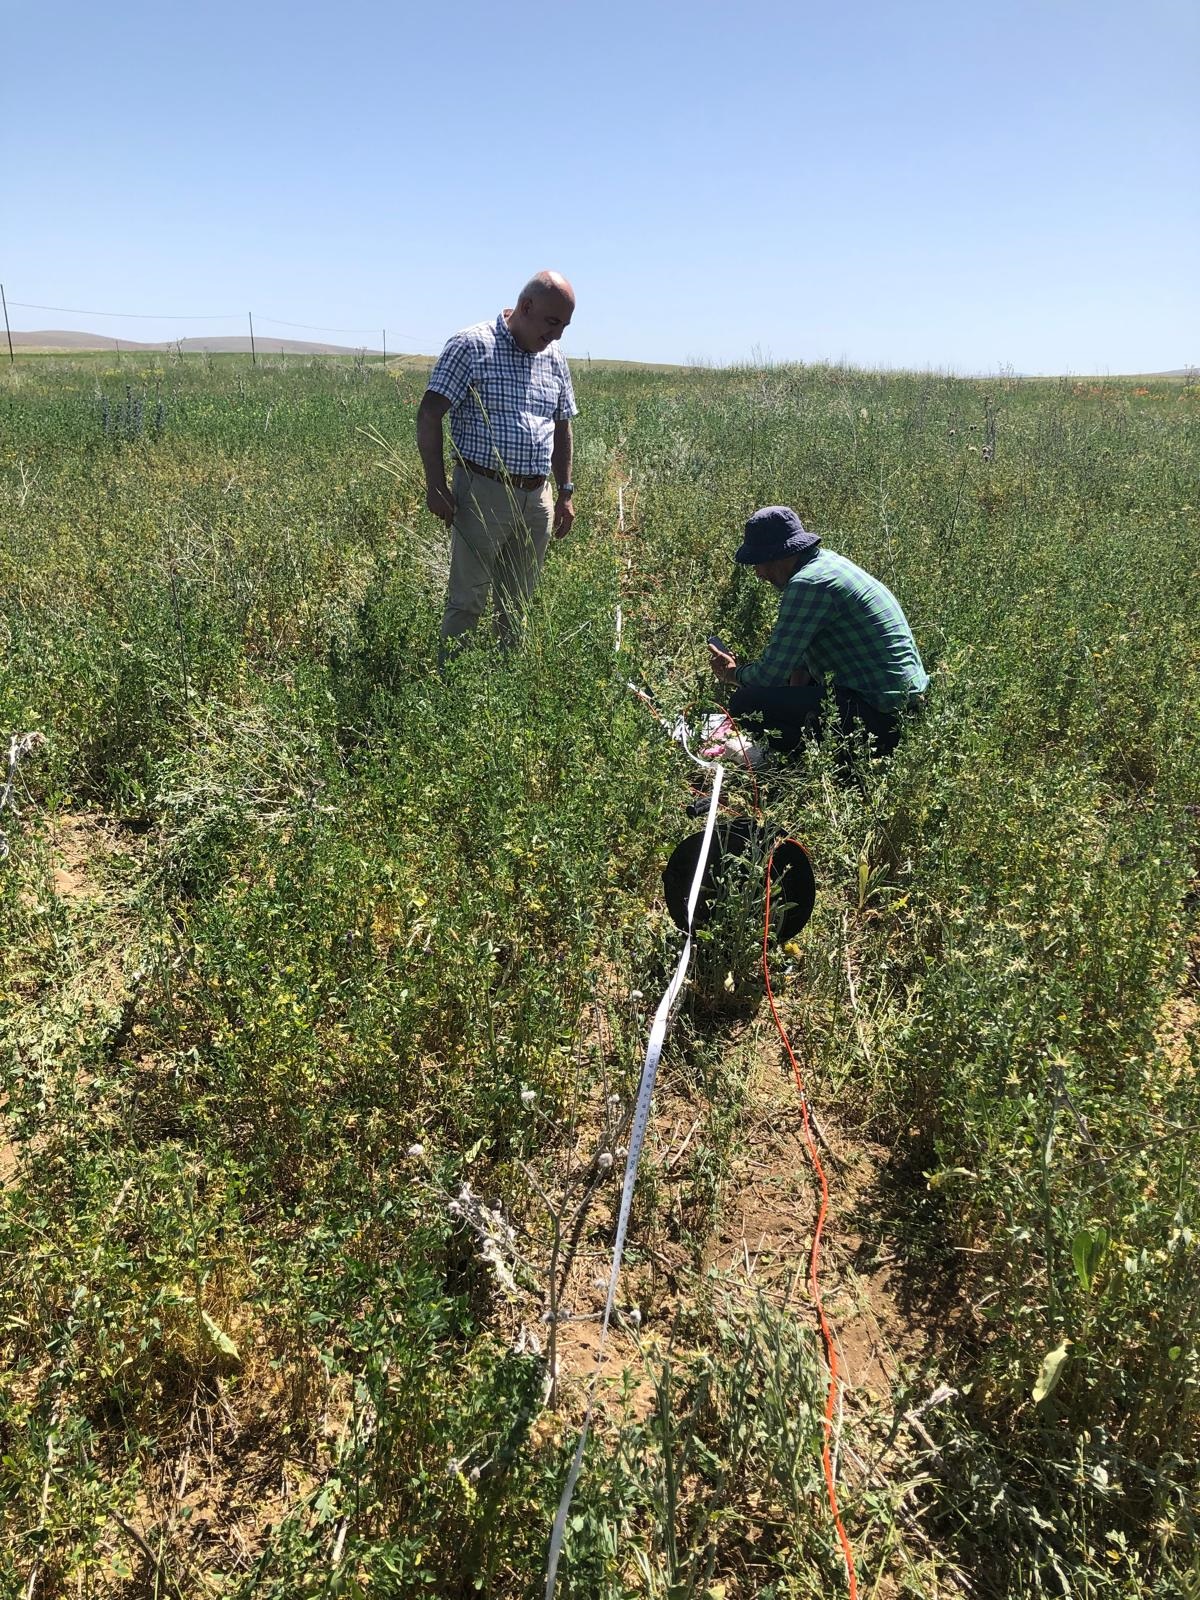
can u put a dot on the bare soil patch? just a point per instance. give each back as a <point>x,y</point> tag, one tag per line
<point>764,1243</point>
<point>1179,1029</point>
<point>83,844</point>
<point>760,1245</point>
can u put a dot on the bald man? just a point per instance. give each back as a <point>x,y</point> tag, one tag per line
<point>508,390</point>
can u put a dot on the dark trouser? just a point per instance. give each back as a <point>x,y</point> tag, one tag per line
<point>789,714</point>
<point>854,713</point>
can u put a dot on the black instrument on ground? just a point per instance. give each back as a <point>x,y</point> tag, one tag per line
<point>793,884</point>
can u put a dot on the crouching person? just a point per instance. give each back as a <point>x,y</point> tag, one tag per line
<point>835,621</point>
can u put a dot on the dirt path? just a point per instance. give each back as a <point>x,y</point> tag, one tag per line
<point>762,1240</point>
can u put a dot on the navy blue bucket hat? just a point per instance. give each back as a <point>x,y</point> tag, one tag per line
<point>771,534</point>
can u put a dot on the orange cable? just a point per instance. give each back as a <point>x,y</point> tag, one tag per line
<point>814,1259</point>
<point>815,1255</point>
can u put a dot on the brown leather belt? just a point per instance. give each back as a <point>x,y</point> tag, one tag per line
<point>515,478</point>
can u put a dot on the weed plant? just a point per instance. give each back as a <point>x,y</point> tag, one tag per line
<point>299,938</point>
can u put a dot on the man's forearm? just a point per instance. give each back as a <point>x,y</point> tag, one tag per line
<point>773,669</point>
<point>430,447</point>
<point>562,453</point>
<point>800,614</point>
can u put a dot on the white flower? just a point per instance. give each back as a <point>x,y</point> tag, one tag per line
<point>528,1096</point>
<point>604,1160</point>
<point>634,1316</point>
<point>635,994</point>
<point>416,1151</point>
<point>454,1209</point>
<point>614,1099</point>
<point>622,1152</point>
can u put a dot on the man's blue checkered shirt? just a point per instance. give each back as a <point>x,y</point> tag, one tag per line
<point>504,402</point>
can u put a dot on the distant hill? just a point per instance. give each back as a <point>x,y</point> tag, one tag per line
<point>62,341</point>
<point>50,340</point>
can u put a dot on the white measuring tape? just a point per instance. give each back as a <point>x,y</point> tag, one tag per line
<point>641,1117</point>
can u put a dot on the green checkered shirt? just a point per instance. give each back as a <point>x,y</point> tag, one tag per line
<point>835,618</point>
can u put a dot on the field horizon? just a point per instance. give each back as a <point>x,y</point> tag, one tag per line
<point>50,341</point>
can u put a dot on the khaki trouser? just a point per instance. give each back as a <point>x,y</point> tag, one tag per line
<point>499,543</point>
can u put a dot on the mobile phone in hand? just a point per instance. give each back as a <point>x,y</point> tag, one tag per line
<point>716,643</point>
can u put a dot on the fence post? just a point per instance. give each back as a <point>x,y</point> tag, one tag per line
<point>11,358</point>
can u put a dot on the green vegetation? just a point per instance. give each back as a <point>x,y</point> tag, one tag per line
<point>319,1004</point>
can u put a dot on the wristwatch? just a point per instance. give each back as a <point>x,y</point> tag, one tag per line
<point>566,490</point>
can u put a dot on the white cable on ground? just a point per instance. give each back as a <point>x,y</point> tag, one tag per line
<point>19,746</point>
<point>641,1117</point>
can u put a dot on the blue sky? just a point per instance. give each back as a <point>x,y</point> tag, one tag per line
<point>908,185</point>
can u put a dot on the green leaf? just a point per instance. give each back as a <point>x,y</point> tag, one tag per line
<point>220,1340</point>
<point>1088,1250</point>
<point>1081,1249</point>
<point>1051,1372</point>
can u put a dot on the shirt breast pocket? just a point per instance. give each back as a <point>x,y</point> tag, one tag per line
<point>543,394</point>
